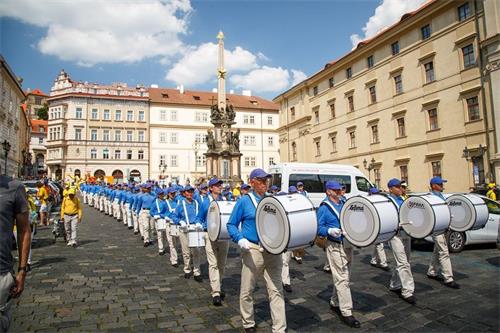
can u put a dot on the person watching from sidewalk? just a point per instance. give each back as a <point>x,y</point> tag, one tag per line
<point>71,215</point>
<point>42,196</point>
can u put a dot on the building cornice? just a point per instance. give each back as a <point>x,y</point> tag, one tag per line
<point>294,123</point>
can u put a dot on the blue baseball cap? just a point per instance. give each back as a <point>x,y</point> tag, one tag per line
<point>274,188</point>
<point>245,186</point>
<point>393,182</point>
<point>259,173</point>
<point>331,185</point>
<point>159,191</point>
<point>300,184</point>
<point>437,180</point>
<point>214,181</point>
<point>188,188</point>
<point>373,190</point>
<point>203,186</point>
<point>171,189</point>
<point>292,189</point>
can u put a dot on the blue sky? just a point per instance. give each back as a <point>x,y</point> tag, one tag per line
<point>270,45</point>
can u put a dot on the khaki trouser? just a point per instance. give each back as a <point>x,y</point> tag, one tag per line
<point>124,213</point>
<point>401,274</point>
<point>187,253</point>
<point>7,281</point>
<point>135,219</point>
<point>340,259</point>
<point>147,224</point>
<point>102,202</point>
<point>440,259</point>
<point>110,207</point>
<point>378,256</point>
<point>71,226</point>
<point>299,253</point>
<point>256,264</point>
<point>165,234</point>
<point>285,270</point>
<point>216,257</point>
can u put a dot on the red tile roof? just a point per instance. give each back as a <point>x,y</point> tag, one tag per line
<point>36,124</point>
<point>37,92</point>
<point>205,98</point>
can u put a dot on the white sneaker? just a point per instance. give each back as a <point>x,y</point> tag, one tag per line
<point>69,243</point>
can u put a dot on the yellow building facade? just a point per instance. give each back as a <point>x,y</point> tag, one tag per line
<point>409,103</point>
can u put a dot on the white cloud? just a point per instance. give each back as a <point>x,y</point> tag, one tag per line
<point>92,31</point>
<point>298,76</point>
<point>267,79</point>
<point>387,13</point>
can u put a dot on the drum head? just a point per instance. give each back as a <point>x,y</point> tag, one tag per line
<point>468,212</point>
<point>359,221</point>
<point>417,217</point>
<point>272,225</point>
<point>213,221</point>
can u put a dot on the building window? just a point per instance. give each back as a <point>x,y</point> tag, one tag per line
<point>38,100</point>
<point>141,115</point>
<point>373,94</point>
<point>105,135</point>
<point>140,155</point>
<point>376,176</point>
<point>473,108</point>
<point>317,143</point>
<point>401,127</point>
<point>118,135</point>
<point>403,171</point>
<point>468,55</point>
<point>332,110</point>
<point>433,119</point>
<point>78,113</point>
<point>315,90</point>
<point>426,31</point>
<point>201,160</point>
<point>348,72</point>
<point>369,61</point>
<point>333,140</point>
<point>130,136</point>
<point>118,154</point>
<point>173,161</point>
<point>271,161</point>
<point>429,72</point>
<point>78,133</point>
<point>40,140</point>
<point>398,84</point>
<point>350,101</point>
<point>248,119</point>
<point>375,138</point>
<point>294,151</point>
<point>141,136</point>
<point>352,139</point>
<point>130,115</point>
<point>200,138</point>
<point>201,117</point>
<point>331,82</point>
<point>269,120</point>
<point>93,135</point>
<point>129,154</point>
<point>270,141</point>
<point>118,115</point>
<point>105,154</point>
<point>395,48</point>
<point>163,159</point>
<point>163,137</point>
<point>249,161</point>
<point>94,114</point>
<point>463,12</point>
<point>316,117</point>
<point>93,153</point>
<point>292,112</point>
<point>173,138</point>
<point>173,115</point>
<point>436,168</point>
<point>106,115</point>
<point>163,115</point>
<point>249,140</point>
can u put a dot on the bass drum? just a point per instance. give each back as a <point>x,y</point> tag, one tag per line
<point>425,215</point>
<point>217,218</point>
<point>468,212</point>
<point>286,222</point>
<point>367,220</point>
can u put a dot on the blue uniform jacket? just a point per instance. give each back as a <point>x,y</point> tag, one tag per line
<point>146,201</point>
<point>202,215</point>
<point>192,210</point>
<point>158,209</point>
<point>171,206</point>
<point>327,219</point>
<point>244,214</point>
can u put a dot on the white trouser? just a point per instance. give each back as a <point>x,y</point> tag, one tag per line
<point>285,271</point>
<point>216,257</point>
<point>116,209</point>
<point>147,224</point>
<point>378,256</point>
<point>401,274</point>
<point>110,207</point>
<point>135,219</point>
<point>71,226</point>
<point>128,212</point>
<point>440,259</point>
<point>124,213</point>
<point>102,203</point>
<point>187,253</point>
<point>90,199</point>
<point>340,259</point>
<point>84,195</point>
<point>172,241</point>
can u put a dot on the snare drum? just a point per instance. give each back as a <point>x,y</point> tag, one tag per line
<point>286,222</point>
<point>161,224</point>
<point>367,220</point>
<point>426,215</point>
<point>196,238</point>
<point>174,230</point>
<point>217,217</point>
<point>468,212</point>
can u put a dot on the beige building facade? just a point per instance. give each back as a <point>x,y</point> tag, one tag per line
<point>35,100</point>
<point>97,131</point>
<point>409,103</point>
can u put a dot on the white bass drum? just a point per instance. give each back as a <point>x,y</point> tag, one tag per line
<point>424,215</point>
<point>217,218</point>
<point>468,212</point>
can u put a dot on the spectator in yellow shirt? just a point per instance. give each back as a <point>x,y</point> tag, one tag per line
<point>71,215</point>
<point>42,196</point>
<point>491,191</point>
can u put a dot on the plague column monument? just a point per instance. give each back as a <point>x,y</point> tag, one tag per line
<point>223,144</point>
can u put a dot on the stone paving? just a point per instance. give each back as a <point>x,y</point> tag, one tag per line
<point>112,283</point>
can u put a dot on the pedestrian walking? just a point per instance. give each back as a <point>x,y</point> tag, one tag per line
<point>71,215</point>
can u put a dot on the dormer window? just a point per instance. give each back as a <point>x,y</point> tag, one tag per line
<point>164,95</point>
<point>196,98</point>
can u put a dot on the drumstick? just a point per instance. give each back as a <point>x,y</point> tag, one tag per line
<point>256,247</point>
<point>406,223</point>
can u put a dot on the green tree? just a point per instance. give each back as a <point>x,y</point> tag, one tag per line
<point>43,112</point>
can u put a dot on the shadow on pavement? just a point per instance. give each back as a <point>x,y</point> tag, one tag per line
<point>87,241</point>
<point>495,261</point>
<point>48,261</point>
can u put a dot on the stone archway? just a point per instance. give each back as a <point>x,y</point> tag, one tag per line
<point>78,173</point>
<point>117,176</point>
<point>135,175</point>
<point>99,174</point>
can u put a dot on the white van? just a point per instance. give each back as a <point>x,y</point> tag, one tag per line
<point>315,175</point>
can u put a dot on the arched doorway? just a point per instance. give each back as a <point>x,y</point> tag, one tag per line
<point>78,173</point>
<point>135,175</point>
<point>99,174</point>
<point>117,176</point>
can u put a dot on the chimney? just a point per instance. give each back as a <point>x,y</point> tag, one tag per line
<point>154,85</point>
<point>246,93</point>
<point>181,89</point>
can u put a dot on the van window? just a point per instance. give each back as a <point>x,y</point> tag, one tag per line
<point>276,180</point>
<point>363,184</point>
<point>314,183</point>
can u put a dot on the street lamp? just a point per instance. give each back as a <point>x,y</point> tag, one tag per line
<point>370,166</point>
<point>467,153</point>
<point>6,149</point>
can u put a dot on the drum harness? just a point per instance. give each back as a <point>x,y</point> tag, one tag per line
<point>254,202</point>
<point>185,210</point>
<point>336,213</point>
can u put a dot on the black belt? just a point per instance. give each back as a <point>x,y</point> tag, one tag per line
<point>145,209</point>
<point>71,214</point>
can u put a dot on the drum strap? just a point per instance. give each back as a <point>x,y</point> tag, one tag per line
<point>185,209</point>
<point>334,211</point>
<point>171,210</point>
<point>252,197</point>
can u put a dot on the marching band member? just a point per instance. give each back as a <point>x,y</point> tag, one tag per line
<point>145,219</point>
<point>83,189</point>
<point>102,197</point>
<point>136,210</point>
<point>440,259</point>
<point>300,189</point>
<point>185,215</point>
<point>158,211</point>
<point>379,258</point>
<point>203,194</point>
<point>128,207</point>
<point>172,240</point>
<point>286,256</point>
<point>216,251</point>
<point>254,262</point>
<point>244,189</point>
<point>339,257</point>
<point>123,202</point>
<point>402,281</point>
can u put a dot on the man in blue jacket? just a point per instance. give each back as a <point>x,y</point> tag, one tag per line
<point>256,263</point>
<point>145,220</point>
<point>171,239</point>
<point>158,211</point>
<point>339,257</point>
